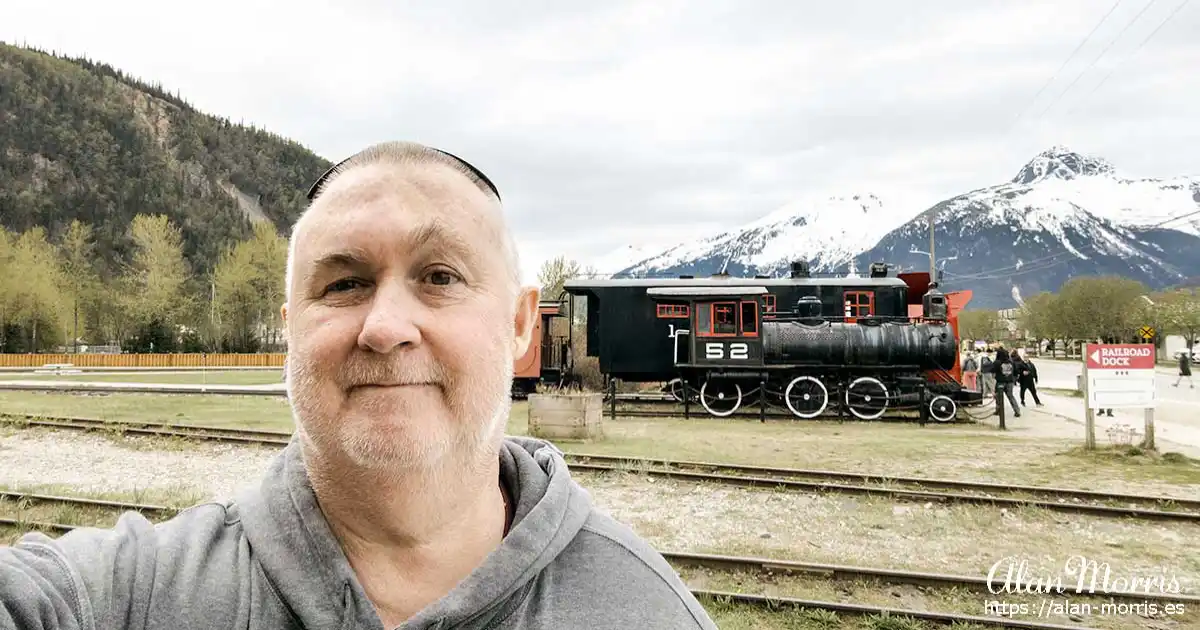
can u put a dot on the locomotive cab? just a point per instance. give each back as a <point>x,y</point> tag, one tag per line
<point>723,327</point>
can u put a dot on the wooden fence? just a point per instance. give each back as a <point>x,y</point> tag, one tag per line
<point>143,360</point>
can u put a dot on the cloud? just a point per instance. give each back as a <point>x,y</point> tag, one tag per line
<point>617,123</point>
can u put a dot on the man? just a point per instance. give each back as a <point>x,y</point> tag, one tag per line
<point>1185,369</point>
<point>987,375</point>
<point>1027,377</point>
<point>1004,373</point>
<point>399,503</point>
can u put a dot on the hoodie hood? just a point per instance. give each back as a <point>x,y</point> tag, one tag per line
<point>292,542</point>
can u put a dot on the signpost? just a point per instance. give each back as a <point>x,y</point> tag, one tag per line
<point>1119,376</point>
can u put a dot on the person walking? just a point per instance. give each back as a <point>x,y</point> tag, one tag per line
<point>1004,374</point>
<point>987,379</point>
<point>1185,369</point>
<point>971,366</point>
<point>1027,377</point>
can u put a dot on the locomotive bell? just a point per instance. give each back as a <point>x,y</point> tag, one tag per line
<point>934,305</point>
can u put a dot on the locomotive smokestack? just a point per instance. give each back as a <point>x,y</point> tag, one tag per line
<point>800,269</point>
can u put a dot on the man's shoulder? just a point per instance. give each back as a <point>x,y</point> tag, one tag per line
<point>100,573</point>
<point>610,570</point>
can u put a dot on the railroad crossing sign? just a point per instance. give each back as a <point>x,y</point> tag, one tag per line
<point>1120,375</point>
<point>1147,332</point>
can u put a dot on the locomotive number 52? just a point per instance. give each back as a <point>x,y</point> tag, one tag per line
<point>717,351</point>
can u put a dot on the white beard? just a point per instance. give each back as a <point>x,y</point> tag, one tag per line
<point>374,443</point>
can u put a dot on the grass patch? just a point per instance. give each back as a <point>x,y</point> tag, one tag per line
<point>882,532</point>
<point>250,412</point>
<point>181,496</point>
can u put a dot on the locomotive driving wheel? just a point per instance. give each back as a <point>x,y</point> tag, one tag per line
<point>943,408</point>
<point>721,397</point>
<point>806,397</point>
<point>867,398</point>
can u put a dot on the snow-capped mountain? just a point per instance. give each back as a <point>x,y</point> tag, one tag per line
<point>827,231</point>
<point>1063,214</point>
<point>625,257</point>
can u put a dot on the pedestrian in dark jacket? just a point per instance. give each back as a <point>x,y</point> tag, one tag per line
<point>1005,373</point>
<point>1185,368</point>
<point>1027,377</point>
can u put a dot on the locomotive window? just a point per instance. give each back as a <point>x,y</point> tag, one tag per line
<point>672,310</point>
<point>750,319</point>
<point>724,319</point>
<point>768,303</point>
<point>860,303</point>
<point>703,319</point>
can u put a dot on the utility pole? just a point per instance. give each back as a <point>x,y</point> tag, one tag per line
<point>932,258</point>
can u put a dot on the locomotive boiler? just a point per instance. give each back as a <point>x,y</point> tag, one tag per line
<point>811,340</point>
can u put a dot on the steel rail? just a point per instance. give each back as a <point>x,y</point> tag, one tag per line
<point>948,619</point>
<point>896,493</point>
<point>925,482</point>
<point>892,576</point>
<point>32,498</point>
<point>216,434</point>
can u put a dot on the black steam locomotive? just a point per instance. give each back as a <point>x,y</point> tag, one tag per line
<point>812,345</point>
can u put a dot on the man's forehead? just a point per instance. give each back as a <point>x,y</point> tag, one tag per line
<point>388,198</point>
<point>419,186</point>
<point>374,211</point>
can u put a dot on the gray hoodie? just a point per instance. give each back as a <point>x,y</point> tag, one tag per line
<point>268,560</point>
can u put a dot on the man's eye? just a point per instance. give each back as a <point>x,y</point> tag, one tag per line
<point>441,277</point>
<point>345,284</point>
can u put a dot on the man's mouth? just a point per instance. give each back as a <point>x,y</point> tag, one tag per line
<point>371,386</point>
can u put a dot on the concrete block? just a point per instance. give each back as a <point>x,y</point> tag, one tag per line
<point>566,416</point>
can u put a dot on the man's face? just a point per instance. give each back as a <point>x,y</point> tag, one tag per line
<point>402,322</point>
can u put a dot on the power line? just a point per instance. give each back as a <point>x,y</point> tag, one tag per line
<point>1064,64</point>
<point>1131,55</point>
<point>1173,219</point>
<point>1098,57</point>
<point>1047,262</point>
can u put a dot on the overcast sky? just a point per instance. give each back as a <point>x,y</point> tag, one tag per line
<point>614,123</point>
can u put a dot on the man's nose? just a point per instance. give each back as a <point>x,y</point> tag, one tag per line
<point>392,321</point>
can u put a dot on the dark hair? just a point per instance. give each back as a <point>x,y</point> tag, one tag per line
<point>402,151</point>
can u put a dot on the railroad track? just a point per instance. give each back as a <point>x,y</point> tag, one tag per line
<point>908,488</point>
<point>920,489</point>
<point>189,431</point>
<point>716,562</point>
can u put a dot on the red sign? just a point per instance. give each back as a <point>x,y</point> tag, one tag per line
<point>1120,356</point>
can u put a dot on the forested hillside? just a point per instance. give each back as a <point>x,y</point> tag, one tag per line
<point>80,140</point>
<point>128,218</point>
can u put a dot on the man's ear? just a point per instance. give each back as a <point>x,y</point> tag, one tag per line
<point>525,319</point>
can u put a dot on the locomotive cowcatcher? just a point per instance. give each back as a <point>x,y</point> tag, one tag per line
<point>811,345</point>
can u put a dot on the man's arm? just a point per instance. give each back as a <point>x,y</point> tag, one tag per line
<point>87,579</point>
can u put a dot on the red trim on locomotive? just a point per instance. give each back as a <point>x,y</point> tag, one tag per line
<point>753,318</point>
<point>856,306</point>
<point>768,306</point>
<point>672,311</point>
<point>729,318</point>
